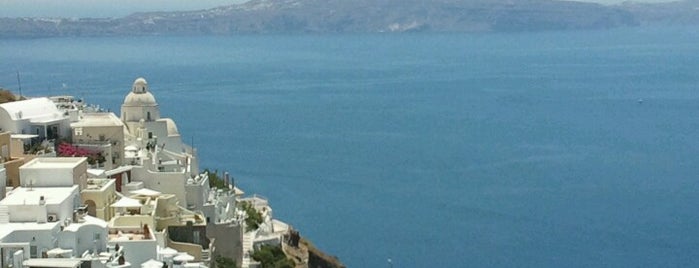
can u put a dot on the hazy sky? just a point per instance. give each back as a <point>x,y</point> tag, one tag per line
<point>117,8</point>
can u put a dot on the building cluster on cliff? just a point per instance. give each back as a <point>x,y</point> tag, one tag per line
<point>88,188</point>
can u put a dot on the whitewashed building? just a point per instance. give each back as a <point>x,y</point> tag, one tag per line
<point>30,220</point>
<point>45,204</point>
<point>84,234</point>
<point>54,172</point>
<point>37,116</point>
<point>141,114</point>
<point>153,145</point>
<point>137,242</point>
<point>102,133</point>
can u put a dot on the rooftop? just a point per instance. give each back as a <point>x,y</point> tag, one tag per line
<point>32,109</point>
<point>98,184</point>
<point>128,234</point>
<point>62,99</point>
<point>98,120</point>
<point>54,162</point>
<point>8,228</point>
<point>87,220</point>
<point>52,262</point>
<point>31,196</point>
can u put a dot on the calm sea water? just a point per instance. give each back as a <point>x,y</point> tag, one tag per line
<point>451,150</point>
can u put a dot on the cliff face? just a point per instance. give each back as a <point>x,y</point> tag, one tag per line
<point>318,259</point>
<point>329,16</point>
<point>306,255</point>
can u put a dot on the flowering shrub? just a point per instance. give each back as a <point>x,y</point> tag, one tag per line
<point>68,150</point>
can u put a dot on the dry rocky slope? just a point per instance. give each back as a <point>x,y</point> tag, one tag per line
<point>366,16</point>
<point>306,255</point>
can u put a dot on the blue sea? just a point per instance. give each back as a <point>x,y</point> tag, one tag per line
<point>554,149</point>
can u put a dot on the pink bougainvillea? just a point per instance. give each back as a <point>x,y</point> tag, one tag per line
<point>68,150</point>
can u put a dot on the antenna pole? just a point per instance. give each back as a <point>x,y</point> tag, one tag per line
<point>19,83</point>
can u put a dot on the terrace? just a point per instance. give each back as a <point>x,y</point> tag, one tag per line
<point>130,234</point>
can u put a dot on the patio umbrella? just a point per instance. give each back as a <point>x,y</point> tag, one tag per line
<point>126,202</point>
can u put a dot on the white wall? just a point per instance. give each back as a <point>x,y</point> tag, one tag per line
<point>136,113</point>
<point>48,177</point>
<point>68,206</point>
<point>43,239</point>
<point>27,213</point>
<point>137,251</point>
<point>159,129</point>
<point>85,238</point>
<point>7,124</point>
<point>66,240</point>
<point>196,195</point>
<point>164,182</point>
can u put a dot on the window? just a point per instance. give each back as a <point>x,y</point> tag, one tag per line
<point>78,131</point>
<point>196,237</point>
<point>101,137</point>
<point>97,236</point>
<point>150,135</point>
<point>148,116</point>
<point>5,151</point>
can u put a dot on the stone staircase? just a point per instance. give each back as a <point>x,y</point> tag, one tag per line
<point>248,239</point>
<point>4,214</point>
<point>205,255</point>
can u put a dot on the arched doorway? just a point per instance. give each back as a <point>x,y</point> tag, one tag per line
<point>91,208</point>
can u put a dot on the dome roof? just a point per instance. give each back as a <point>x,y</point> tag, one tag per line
<point>139,95</point>
<point>171,127</point>
<point>140,99</point>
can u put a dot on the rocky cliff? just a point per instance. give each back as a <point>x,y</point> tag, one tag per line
<point>305,255</point>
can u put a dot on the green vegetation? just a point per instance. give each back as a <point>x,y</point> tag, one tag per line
<point>272,257</point>
<point>254,218</point>
<point>223,262</point>
<point>36,148</point>
<point>215,181</point>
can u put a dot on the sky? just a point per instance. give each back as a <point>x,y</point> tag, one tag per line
<point>119,8</point>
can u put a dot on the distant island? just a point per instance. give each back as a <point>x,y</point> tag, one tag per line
<point>365,16</point>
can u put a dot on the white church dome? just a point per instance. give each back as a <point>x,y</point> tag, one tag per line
<point>143,99</point>
<point>139,95</point>
<point>171,127</point>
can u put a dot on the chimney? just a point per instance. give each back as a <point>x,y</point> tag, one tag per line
<point>42,201</point>
<point>146,231</point>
